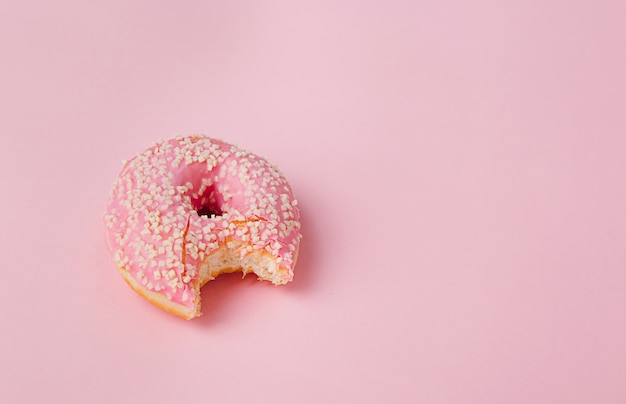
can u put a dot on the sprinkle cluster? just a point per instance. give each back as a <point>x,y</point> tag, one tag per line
<point>153,223</point>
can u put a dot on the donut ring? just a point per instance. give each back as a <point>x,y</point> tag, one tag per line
<point>190,208</point>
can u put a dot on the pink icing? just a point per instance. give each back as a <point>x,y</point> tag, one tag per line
<point>156,232</point>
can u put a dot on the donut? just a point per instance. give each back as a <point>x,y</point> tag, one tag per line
<point>191,208</point>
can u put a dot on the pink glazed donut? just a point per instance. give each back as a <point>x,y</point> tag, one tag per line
<point>191,208</point>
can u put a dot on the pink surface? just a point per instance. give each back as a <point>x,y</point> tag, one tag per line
<point>461,174</point>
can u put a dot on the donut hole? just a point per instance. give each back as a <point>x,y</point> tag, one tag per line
<point>209,203</point>
<point>209,211</point>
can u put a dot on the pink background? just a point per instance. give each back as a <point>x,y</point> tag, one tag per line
<point>461,171</point>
